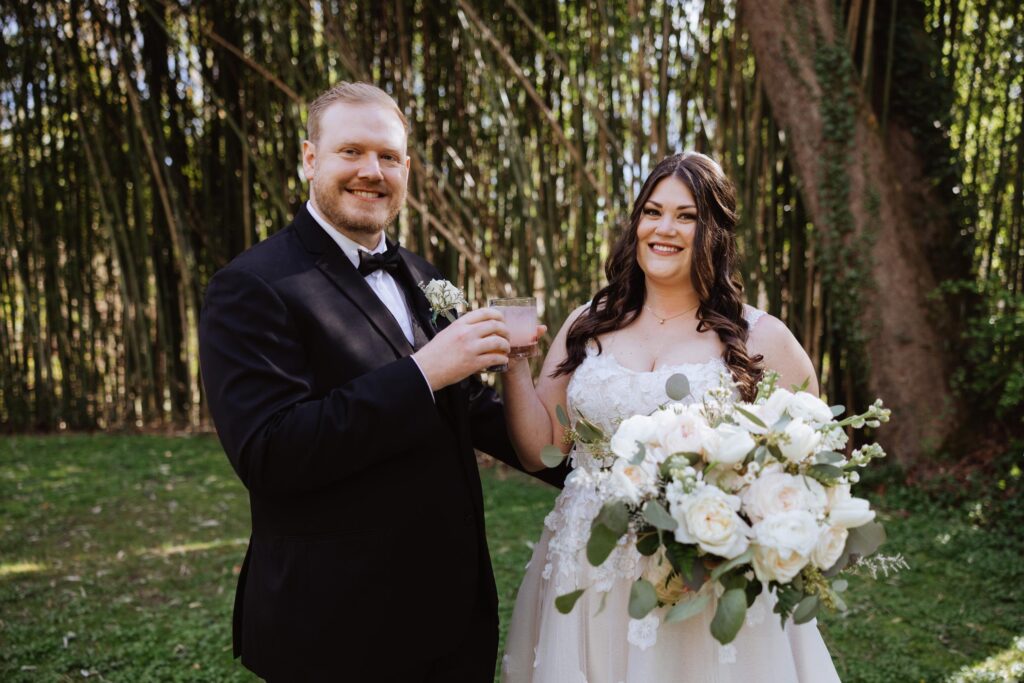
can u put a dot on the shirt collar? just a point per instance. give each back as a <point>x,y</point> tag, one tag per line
<point>350,247</point>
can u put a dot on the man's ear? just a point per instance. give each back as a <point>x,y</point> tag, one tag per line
<point>308,159</point>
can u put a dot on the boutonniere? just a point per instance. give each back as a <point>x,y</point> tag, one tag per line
<point>443,297</point>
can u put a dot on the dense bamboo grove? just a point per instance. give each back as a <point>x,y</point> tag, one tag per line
<point>146,142</point>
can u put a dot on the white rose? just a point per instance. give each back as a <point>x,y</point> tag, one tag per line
<point>638,428</point>
<point>810,408</point>
<point>676,430</point>
<point>783,544</point>
<point>708,518</point>
<point>632,482</point>
<point>776,492</point>
<point>847,511</point>
<point>803,439</point>
<point>726,444</point>
<point>830,546</point>
<point>773,409</point>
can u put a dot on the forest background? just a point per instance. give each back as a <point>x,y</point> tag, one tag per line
<point>876,146</point>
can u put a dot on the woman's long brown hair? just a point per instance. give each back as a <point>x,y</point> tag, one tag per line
<point>712,272</point>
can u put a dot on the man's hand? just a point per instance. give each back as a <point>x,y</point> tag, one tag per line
<point>469,345</point>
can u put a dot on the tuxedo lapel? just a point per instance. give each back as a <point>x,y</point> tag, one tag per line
<point>409,278</point>
<point>333,263</point>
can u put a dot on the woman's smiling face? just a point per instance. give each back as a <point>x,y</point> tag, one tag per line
<point>665,234</point>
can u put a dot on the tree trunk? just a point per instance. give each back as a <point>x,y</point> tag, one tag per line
<point>865,220</point>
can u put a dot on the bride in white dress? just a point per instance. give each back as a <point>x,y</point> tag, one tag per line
<point>672,305</point>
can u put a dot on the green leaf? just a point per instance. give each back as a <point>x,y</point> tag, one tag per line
<point>829,458</point>
<point>684,610</point>
<point>563,419</point>
<point>760,454</point>
<point>807,609</point>
<point>721,569</point>
<point>750,416</point>
<point>837,410</point>
<point>642,599</point>
<point>551,456</point>
<point>681,556</point>
<point>865,539</point>
<point>638,457</point>
<point>840,585</point>
<point>586,432</point>
<point>615,516</point>
<point>732,609</point>
<point>782,422</point>
<point>659,517</point>
<point>601,544</point>
<point>753,590</point>
<point>565,603</point>
<point>734,580</point>
<point>677,387</point>
<point>826,474</point>
<point>647,543</point>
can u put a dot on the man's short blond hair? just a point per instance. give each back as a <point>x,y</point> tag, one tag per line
<point>349,93</point>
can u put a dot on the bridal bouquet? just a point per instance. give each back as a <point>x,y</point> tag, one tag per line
<point>729,498</point>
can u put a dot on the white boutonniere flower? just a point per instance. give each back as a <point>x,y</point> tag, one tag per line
<point>443,297</point>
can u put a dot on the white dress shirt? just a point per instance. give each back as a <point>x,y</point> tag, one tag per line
<point>380,281</point>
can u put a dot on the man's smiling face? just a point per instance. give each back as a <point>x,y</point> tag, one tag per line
<point>358,169</point>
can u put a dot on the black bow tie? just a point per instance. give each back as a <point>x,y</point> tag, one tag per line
<point>388,261</point>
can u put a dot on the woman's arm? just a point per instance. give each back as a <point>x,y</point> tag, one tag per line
<point>530,409</point>
<point>782,353</point>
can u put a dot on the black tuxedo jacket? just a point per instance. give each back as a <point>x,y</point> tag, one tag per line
<point>367,512</point>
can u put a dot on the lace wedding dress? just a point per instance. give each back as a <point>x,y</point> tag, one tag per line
<point>598,642</point>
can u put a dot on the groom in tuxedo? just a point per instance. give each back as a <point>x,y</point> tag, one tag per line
<point>352,421</point>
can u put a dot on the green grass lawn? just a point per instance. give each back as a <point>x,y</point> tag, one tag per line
<point>119,556</point>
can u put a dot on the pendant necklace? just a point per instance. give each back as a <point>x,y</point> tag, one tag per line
<point>661,321</point>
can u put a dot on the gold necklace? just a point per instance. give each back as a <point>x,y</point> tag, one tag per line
<point>661,321</point>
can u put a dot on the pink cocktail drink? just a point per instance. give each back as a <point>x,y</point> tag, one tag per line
<point>521,318</point>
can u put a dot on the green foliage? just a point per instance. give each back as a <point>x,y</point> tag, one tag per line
<point>991,379</point>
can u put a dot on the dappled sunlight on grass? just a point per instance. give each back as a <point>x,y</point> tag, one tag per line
<point>1004,667</point>
<point>183,548</point>
<point>12,568</point>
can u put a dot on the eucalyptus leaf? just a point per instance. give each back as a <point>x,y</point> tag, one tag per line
<point>642,599</point>
<point>760,454</point>
<point>840,585</point>
<point>840,603</point>
<point>615,516</point>
<point>638,457</point>
<point>750,416</point>
<point>565,603</point>
<point>677,387</point>
<point>647,543</point>
<point>721,569</point>
<point>551,456</point>
<point>782,422</point>
<point>697,575</point>
<point>826,474</point>
<point>732,609</point>
<point>690,608</point>
<point>659,517</point>
<point>865,539</point>
<point>563,418</point>
<point>807,609</point>
<point>601,544</point>
<point>837,410</point>
<point>829,458</point>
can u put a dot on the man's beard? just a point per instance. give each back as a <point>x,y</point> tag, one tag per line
<point>328,197</point>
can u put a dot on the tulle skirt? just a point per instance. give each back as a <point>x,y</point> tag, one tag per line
<point>592,644</point>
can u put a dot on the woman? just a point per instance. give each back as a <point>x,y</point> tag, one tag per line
<point>672,305</point>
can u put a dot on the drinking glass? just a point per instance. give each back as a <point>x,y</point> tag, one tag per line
<point>521,318</point>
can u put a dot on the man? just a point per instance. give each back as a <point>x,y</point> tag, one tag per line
<point>352,423</point>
